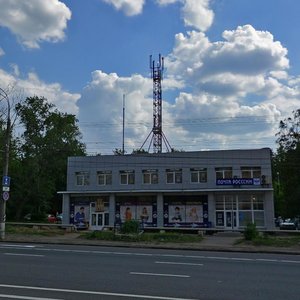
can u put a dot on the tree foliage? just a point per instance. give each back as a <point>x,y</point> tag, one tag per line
<point>40,167</point>
<point>286,165</point>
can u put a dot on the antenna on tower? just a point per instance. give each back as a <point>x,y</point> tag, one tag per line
<point>158,137</point>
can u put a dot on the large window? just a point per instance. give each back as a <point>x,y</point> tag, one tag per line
<point>150,176</point>
<point>248,207</point>
<point>222,173</point>
<point>198,175</point>
<point>127,177</point>
<point>174,175</point>
<point>104,177</point>
<point>251,210</point>
<point>82,178</point>
<point>251,172</point>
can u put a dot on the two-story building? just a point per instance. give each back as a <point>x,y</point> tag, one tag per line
<point>219,189</point>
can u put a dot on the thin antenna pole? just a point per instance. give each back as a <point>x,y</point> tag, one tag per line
<point>123,149</point>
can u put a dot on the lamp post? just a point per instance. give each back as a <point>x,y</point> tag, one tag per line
<point>5,180</point>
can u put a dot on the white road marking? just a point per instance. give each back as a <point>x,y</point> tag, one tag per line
<point>290,261</point>
<point>26,297</point>
<point>267,260</point>
<point>18,246</point>
<point>24,254</point>
<point>177,263</point>
<point>91,292</point>
<point>159,274</point>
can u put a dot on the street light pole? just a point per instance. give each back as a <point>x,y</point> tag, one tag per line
<point>5,166</point>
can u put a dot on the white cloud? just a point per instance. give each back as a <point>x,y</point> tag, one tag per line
<point>1,52</point>
<point>101,110</point>
<point>33,86</point>
<point>34,21</point>
<point>237,88</point>
<point>129,7</point>
<point>195,13</point>
<point>245,55</point>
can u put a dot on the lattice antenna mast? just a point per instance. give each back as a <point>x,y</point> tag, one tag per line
<point>158,135</point>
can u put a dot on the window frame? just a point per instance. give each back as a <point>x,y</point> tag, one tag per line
<point>174,175</point>
<point>107,177</point>
<point>152,175</point>
<point>199,172</point>
<point>82,178</point>
<point>128,175</point>
<point>251,170</point>
<point>226,172</point>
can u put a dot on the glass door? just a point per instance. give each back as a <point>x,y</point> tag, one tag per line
<point>97,220</point>
<point>231,219</point>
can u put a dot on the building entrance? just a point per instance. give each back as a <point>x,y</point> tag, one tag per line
<point>231,219</point>
<point>97,221</point>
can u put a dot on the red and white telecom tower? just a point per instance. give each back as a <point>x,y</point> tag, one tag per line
<point>157,135</point>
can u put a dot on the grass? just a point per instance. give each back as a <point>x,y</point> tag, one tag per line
<point>144,237</point>
<point>35,230</point>
<point>273,241</point>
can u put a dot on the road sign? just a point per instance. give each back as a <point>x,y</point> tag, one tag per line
<point>5,188</point>
<point>5,196</point>
<point>6,180</point>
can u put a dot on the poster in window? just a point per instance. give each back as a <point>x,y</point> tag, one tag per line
<point>127,212</point>
<point>194,213</point>
<point>144,213</point>
<point>176,213</point>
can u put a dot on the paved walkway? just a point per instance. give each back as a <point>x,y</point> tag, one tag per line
<point>216,242</point>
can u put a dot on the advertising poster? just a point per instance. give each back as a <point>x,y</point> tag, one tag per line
<point>194,213</point>
<point>144,213</point>
<point>176,213</point>
<point>186,211</point>
<point>128,212</point>
<point>140,209</point>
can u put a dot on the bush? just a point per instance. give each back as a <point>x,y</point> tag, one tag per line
<point>131,226</point>
<point>250,232</point>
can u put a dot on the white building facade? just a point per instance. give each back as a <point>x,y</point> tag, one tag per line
<point>223,189</point>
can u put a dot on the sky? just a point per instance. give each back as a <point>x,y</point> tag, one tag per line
<point>231,67</point>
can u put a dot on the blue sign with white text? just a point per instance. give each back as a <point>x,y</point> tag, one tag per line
<point>238,181</point>
<point>6,181</point>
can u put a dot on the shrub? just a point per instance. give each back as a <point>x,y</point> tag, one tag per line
<point>131,226</point>
<point>250,232</point>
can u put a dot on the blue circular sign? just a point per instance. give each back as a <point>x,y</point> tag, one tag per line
<point>5,196</point>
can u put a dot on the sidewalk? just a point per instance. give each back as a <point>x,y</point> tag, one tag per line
<point>216,242</point>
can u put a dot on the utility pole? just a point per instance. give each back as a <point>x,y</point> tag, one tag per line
<point>123,131</point>
<point>5,179</point>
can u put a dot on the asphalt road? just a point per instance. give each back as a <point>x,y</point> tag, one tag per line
<point>85,272</point>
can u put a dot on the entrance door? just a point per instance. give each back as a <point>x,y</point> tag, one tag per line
<point>230,219</point>
<point>97,220</point>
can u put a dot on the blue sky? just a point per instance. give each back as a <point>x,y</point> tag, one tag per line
<point>231,67</point>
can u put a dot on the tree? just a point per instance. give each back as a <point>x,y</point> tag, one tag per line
<point>48,139</point>
<point>287,166</point>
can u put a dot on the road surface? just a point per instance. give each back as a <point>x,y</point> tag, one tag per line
<point>85,272</point>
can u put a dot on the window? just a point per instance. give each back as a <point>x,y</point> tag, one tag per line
<point>198,175</point>
<point>150,176</point>
<point>222,173</point>
<point>82,178</point>
<point>249,208</point>
<point>104,177</point>
<point>127,177</point>
<point>251,172</point>
<point>174,175</point>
